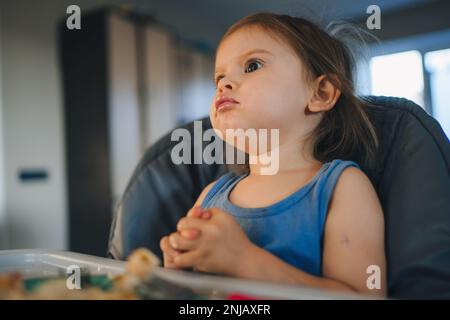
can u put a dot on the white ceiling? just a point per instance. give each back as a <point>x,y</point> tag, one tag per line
<point>204,21</point>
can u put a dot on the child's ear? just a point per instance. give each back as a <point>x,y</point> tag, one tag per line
<point>324,95</point>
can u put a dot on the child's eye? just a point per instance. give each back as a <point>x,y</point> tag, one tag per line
<point>252,65</point>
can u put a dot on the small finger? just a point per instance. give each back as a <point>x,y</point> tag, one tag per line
<point>191,223</point>
<point>190,234</point>
<point>186,260</point>
<point>180,243</point>
<point>167,248</point>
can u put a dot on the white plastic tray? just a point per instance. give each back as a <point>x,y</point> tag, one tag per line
<point>42,263</point>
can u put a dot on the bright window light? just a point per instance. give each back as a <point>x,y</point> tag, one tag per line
<point>398,75</point>
<point>437,64</point>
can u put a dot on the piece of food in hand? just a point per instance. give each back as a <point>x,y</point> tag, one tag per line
<point>141,263</point>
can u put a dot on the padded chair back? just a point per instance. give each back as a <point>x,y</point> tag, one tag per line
<point>410,174</point>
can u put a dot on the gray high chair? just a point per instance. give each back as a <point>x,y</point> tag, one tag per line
<point>410,175</point>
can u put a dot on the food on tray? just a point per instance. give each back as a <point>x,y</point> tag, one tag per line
<point>11,286</point>
<point>141,263</point>
<point>138,282</point>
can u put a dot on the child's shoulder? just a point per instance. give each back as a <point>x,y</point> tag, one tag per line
<point>351,177</point>
<point>343,173</point>
<point>348,177</point>
<point>354,195</point>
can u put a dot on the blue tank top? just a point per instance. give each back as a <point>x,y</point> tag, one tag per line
<point>291,229</point>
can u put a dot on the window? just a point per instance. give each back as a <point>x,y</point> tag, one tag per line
<point>437,64</point>
<point>398,75</point>
<point>402,75</point>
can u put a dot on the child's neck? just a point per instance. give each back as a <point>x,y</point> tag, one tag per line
<point>292,158</point>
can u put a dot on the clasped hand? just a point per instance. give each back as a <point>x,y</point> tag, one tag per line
<point>206,240</point>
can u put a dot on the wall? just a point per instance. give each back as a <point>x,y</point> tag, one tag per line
<point>195,82</point>
<point>178,83</point>
<point>428,17</point>
<point>33,132</point>
<point>159,109</point>
<point>33,126</point>
<point>124,113</point>
<point>3,222</point>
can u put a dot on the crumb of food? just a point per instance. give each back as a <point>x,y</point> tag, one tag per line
<point>141,263</point>
<point>139,268</point>
<point>57,290</point>
<point>11,286</point>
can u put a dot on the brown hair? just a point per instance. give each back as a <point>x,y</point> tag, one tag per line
<point>345,129</point>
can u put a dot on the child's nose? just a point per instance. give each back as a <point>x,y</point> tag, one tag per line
<point>226,83</point>
<point>227,86</point>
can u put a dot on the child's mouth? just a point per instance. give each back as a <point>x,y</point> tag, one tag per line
<point>224,103</point>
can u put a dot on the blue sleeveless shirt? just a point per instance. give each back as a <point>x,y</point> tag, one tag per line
<point>291,229</point>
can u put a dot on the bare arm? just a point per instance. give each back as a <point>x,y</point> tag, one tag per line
<point>353,240</point>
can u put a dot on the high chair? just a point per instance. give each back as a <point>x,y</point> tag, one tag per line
<point>410,175</point>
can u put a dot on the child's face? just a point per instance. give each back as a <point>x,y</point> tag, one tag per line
<point>266,78</point>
